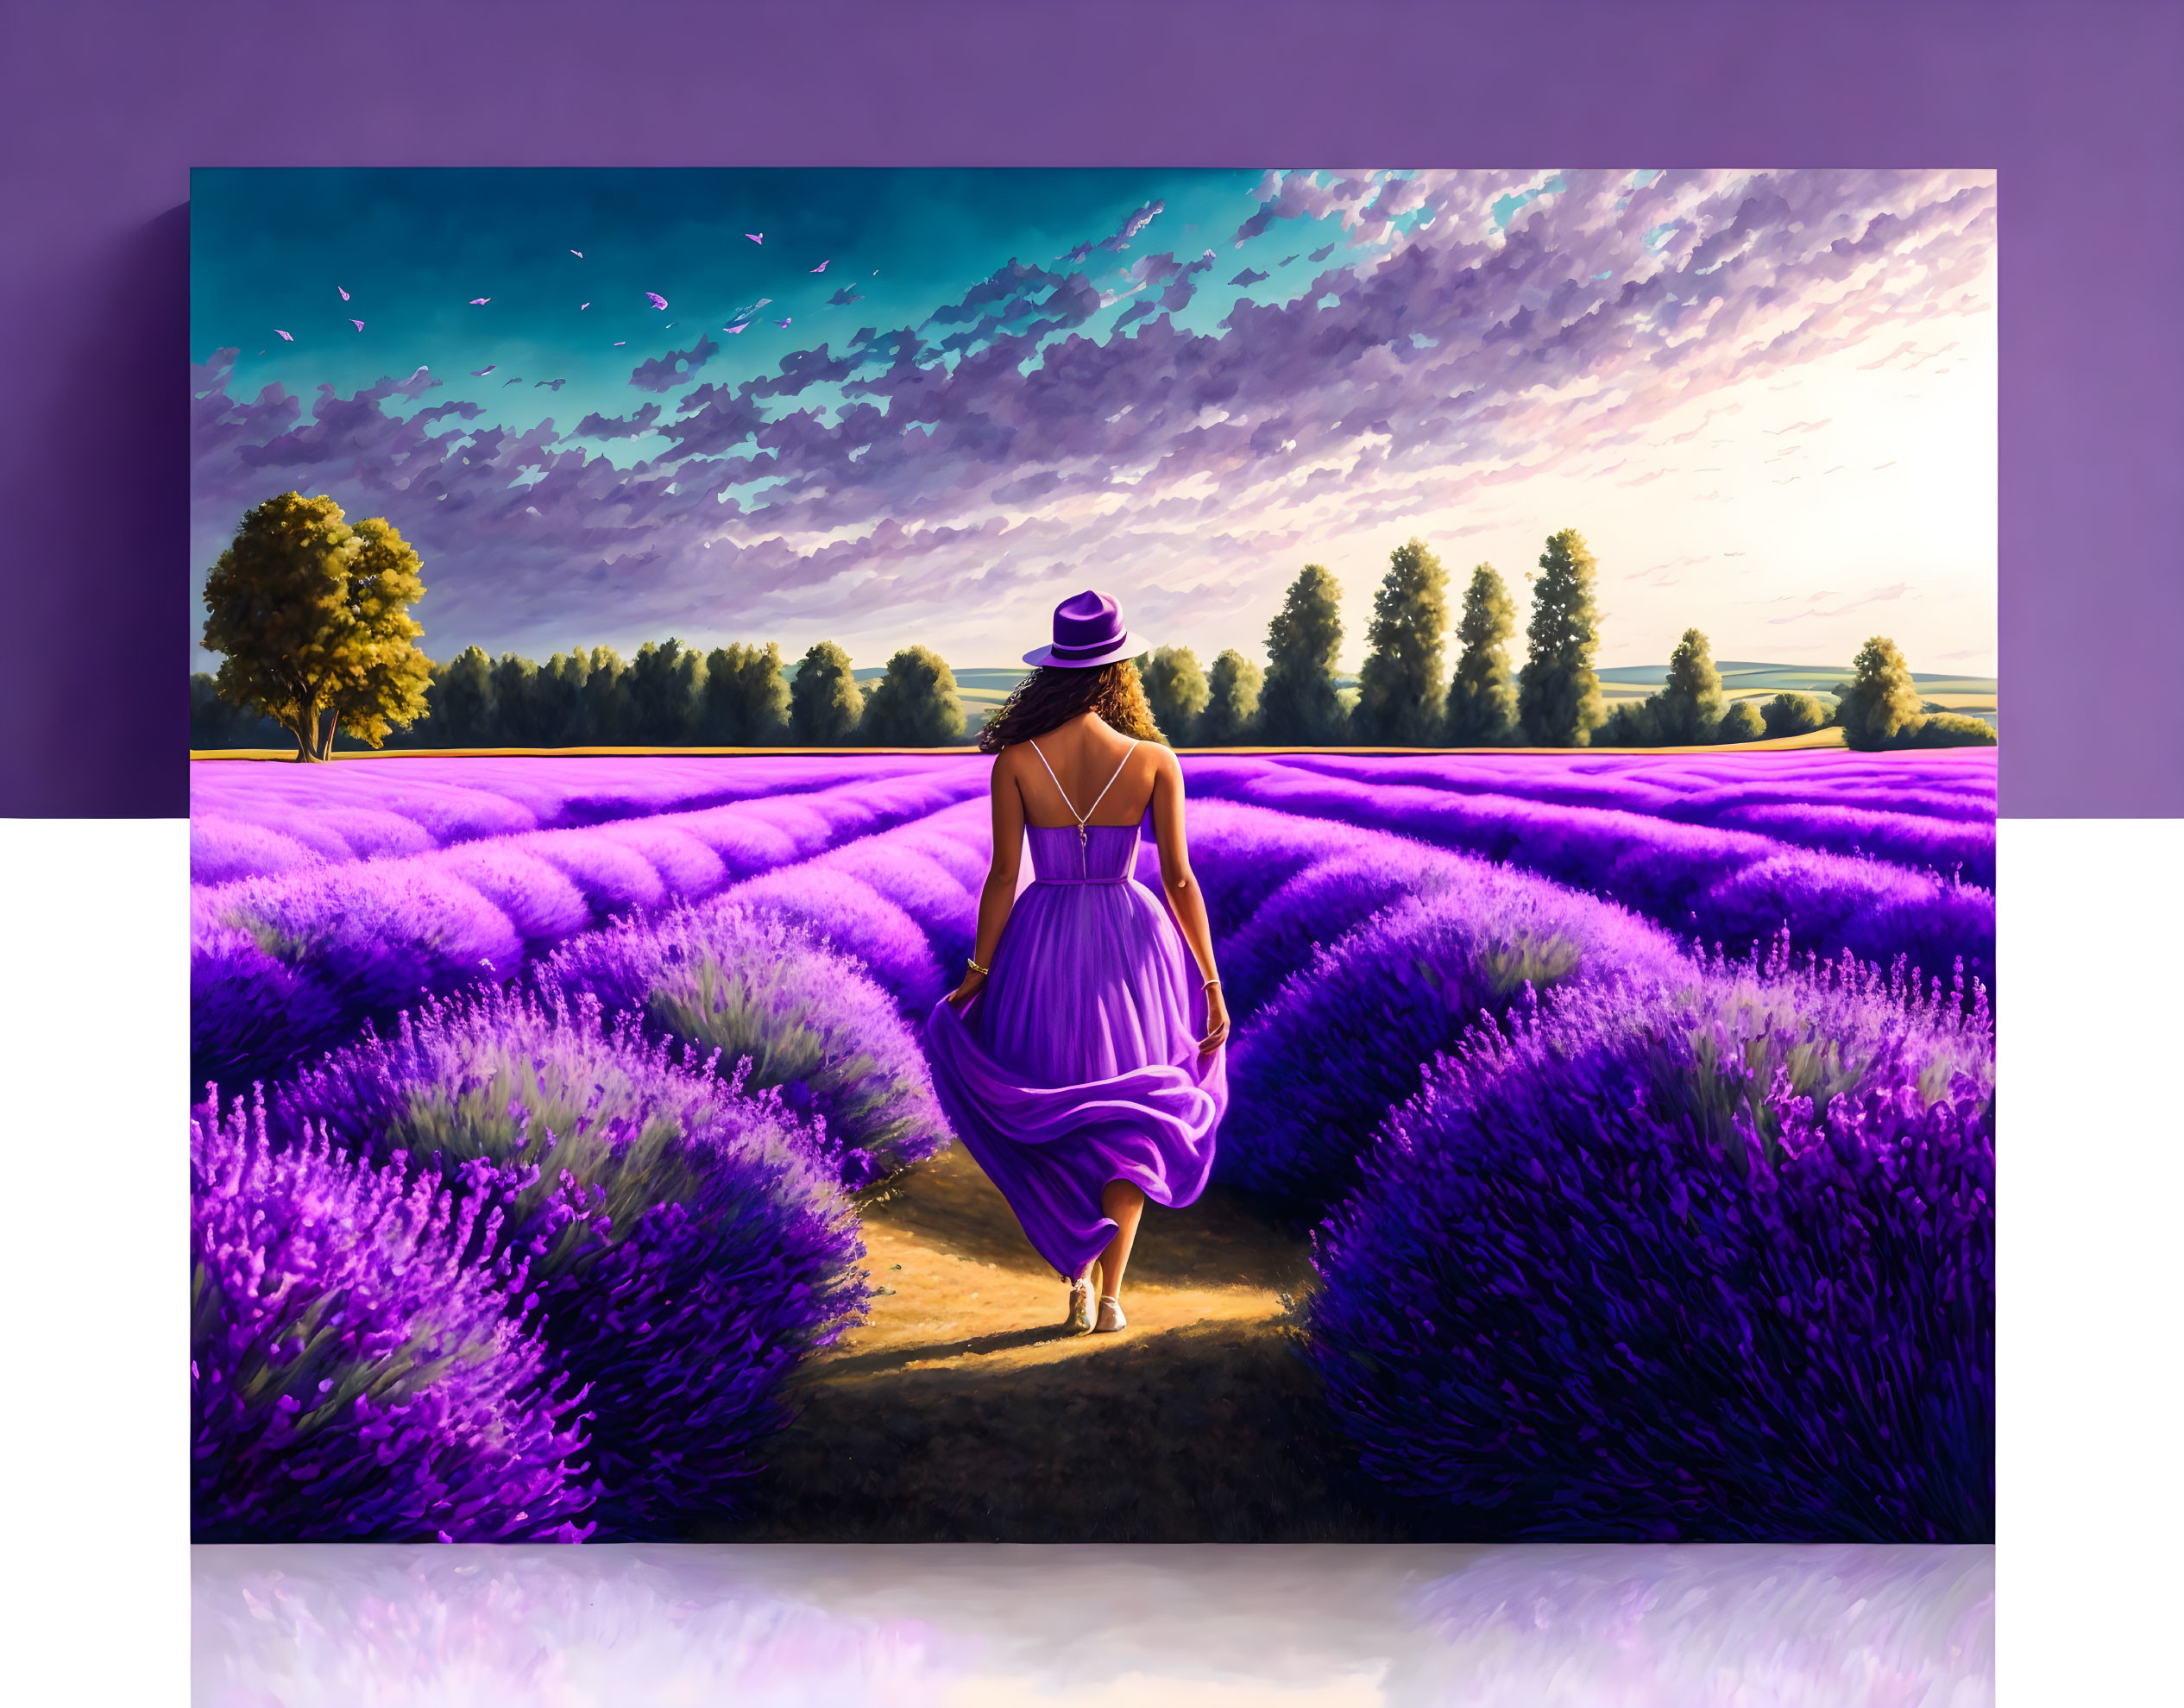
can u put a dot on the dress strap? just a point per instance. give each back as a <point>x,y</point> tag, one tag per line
<point>1079,816</point>
<point>1084,817</point>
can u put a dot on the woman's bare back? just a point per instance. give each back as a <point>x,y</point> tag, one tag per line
<point>1086,756</point>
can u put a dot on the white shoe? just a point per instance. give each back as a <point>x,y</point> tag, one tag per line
<point>1111,1315</point>
<point>1080,1304</point>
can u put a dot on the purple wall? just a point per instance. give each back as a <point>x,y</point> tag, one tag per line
<point>105,106</point>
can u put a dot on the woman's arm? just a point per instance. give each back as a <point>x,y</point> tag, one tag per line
<point>1181,890</point>
<point>999,893</point>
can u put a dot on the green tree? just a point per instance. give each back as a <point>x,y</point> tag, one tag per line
<point>746,697</point>
<point>461,701</point>
<point>1742,722</point>
<point>214,723</point>
<point>915,704</point>
<point>1690,704</point>
<point>607,710</point>
<point>515,703</point>
<point>1482,699</point>
<point>1176,688</point>
<point>384,686</point>
<point>1791,714</point>
<point>1559,702</point>
<point>825,703</point>
<point>1879,706</point>
<point>1400,699</point>
<point>666,688</point>
<point>1631,723</point>
<point>1954,729</point>
<point>311,617</point>
<point>1231,714</point>
<point>1297,703</point>
<point>558,700</point>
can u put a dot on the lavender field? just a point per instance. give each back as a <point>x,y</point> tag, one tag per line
<point>1638,1109</point>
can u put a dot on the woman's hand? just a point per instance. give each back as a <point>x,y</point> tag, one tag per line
<point>1217,1022</point>
<point>960,998</point>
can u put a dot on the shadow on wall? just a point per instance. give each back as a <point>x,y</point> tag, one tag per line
<point>112,398</point>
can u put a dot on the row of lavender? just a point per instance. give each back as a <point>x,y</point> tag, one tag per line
<point>536,1263</point>
<point>1924,810</point>
<point>284,964</point>
<point>1403,951</point>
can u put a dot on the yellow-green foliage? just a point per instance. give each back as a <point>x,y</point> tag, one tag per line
<point>312,617</point>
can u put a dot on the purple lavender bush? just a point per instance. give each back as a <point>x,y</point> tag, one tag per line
<point>692,1245</point>
<point>1316,1068</point>
<point>849,914</point>
<point>1321,904</point>
<point>285,968</point>
<point>364,808</point>
<point>1695,880</point>
<point>1705,1264</point>
<point>365,1357</point>
<point>804,1019</point>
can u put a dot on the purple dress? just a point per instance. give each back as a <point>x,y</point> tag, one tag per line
<point>1077,1063</point>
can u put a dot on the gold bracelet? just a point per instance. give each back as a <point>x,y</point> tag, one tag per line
<point>983,972</point>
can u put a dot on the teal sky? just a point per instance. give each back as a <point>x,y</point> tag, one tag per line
<point>1178,387</point>
<point>271,251</point>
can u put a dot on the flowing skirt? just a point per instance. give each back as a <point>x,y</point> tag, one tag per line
<point>1077,1064</point>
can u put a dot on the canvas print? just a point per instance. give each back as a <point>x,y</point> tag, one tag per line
<point>1288,855</point>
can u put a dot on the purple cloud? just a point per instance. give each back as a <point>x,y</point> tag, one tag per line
<point>897,480</point>
<point>601,427</point>
<point>1248,277</point>
<point>677,367</point>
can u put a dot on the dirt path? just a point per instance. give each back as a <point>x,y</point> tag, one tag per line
<point>963,1409</point>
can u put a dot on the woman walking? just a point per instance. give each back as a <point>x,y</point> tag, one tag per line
<point>1080,1061</point>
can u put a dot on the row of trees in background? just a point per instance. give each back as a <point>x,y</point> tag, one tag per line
<point>668,696</point>
<point>1553,700</point>
<point>310,613</point>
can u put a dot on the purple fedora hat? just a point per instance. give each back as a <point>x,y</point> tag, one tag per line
<point>1088,631</point>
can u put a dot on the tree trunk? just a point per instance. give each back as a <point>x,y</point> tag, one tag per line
<point>326,742</point>
<point>306,730</point>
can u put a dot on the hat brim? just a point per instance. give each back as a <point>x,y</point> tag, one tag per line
<point>1127,648</point>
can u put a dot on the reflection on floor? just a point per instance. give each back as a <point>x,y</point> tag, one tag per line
<point>970,1626</point>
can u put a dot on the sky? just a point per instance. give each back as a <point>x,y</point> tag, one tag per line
<point>1767,399</point>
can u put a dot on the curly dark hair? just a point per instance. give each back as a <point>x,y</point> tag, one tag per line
<point>1052,695</point>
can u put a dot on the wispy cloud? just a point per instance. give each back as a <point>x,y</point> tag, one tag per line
<point>1012,436</point>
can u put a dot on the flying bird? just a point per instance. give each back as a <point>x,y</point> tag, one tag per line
<point>583,304</point>
<point>618,343</point>
<point>291,337</point>
<point>744,327</point>
<point>756,236</point>
<point>475,301</point>
<point>479,373</point>
<point>551,385</point>
<point>517,381</point>
<point>822,267</point>
<point>579,253</point>
<point>786,318</point>
<point>658,301</point>
<point>358,324</point>
<point>344,295</point>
